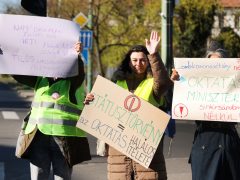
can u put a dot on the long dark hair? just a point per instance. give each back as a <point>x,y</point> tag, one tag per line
<point>124,68</point>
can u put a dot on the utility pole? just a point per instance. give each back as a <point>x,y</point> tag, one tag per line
<point>167,54</point>
<point>59,4</point>
<point>89,65</point>
<point>167,17</point>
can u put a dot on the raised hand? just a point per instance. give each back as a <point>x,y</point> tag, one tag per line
<point>152,44</point>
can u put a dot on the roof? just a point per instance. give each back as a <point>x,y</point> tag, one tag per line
<point>230,3</point>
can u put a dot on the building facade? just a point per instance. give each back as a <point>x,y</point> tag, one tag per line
<point>229,17</point>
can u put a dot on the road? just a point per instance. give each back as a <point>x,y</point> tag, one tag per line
<point>14,106</point>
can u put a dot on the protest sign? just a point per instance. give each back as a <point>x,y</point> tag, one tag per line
<point>124,121</point>
<point>208,89</point>
<point>39,46</point>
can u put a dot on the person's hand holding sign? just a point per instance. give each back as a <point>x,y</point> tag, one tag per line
<point>78,47</point>
<point>89,98</point>
<point>175,76</point>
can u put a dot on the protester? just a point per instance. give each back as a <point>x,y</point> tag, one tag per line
<point>49,137</point>
<point>215,151</point>
<point>55,110</point>
<point>142,72</point>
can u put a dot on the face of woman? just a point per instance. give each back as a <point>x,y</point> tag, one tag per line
<point>138,62</point>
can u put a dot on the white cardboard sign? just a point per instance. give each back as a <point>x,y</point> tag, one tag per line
<point>40,46</point>
<point>208,89</point>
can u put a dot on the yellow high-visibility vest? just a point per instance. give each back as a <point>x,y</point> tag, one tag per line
<point>55,116</point>
<point>144,91</point>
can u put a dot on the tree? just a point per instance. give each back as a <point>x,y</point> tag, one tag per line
<point>193,23</point>
<point>66,9</point>
<point>231,41</point>
<point>117,25</point>
<point>120,24</point>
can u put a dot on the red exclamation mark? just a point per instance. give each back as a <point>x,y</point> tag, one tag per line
<point>181,110</point>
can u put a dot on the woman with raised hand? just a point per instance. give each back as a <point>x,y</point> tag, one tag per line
<point>143,73</point>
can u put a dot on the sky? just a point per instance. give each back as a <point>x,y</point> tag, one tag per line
<point>3,3</point>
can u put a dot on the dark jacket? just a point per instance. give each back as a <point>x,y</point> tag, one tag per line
<point>38,7</point>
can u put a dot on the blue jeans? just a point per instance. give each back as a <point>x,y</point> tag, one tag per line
<point>45,151</point>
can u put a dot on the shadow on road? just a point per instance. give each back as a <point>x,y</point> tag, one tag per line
<point>11,167</point>
<point>10,96</point>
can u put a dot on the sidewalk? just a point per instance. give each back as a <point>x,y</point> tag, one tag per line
<point>96,169</point>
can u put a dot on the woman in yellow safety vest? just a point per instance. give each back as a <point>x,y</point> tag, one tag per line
<point>51,124</point>
<point>141,72</point>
